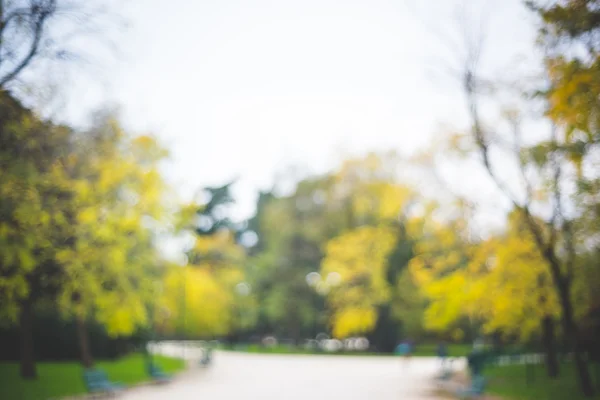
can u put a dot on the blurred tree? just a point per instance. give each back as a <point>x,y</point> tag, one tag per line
<point>544,170</point>
<point>570,33</point>
<point>441,254</point>
<point>402,315</point>
<point>32,196</point>
<point>110,264</point>
<point>203,297</point>
<point>289,230</point>
<point>198,305</point>
<point>360,257</point>
<point>213,215</point>
<point>366,188</point>
<point>294,233</point>
<point>501,282</point>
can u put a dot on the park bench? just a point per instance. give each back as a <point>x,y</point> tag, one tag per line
<point>157,374</point>
<point>476,389</point>
<point>96,381</point>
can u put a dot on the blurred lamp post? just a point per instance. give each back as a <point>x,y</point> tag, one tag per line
<point>243,289</point>
<point>184,264</point>
<point>157,293</point>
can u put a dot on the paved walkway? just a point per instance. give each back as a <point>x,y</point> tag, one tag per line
<point>297,377</point>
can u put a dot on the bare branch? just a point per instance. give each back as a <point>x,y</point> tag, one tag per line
<point>39,13</point>
<point>557,209</point>
<point>17,13</point>
<point>481,137</point>
<point>558,217</point>
<point>482,140</point>
<point>516,128</point>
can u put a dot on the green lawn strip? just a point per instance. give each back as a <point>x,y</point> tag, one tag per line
<point>430,350</point>
<point>59,379</point>
<point>510,382</point>
<point>424,350</point>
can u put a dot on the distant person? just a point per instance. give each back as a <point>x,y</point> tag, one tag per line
<point>442,353</point>
<point>476,358</point>
<point>404,350</point>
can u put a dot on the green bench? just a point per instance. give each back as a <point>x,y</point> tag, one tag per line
<point>96,381</point>
<point>158,374</point>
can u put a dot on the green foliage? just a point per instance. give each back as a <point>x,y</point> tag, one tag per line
<point>334,224</point>
<point>55,339</point>
<point>108,267</point>
<point>291,230</point>
<point>573,19</point>
<point>202,298</point>
<point>212,214</point>
<point>32,193</point>
<point>571,30</point>
<point>77,217</point>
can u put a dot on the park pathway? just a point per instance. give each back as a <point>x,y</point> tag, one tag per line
<point>243,376</point>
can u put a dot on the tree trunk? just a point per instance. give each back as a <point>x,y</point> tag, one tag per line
<point>28,369</point>
<point>562,283</point>
<point>84,345</point>
<point>295,333</point>
<point>550,347</point>
<point>573,339</point>
<point>386,332</point>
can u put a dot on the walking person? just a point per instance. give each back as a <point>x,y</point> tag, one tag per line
<point>442,353</point>
<point>404,350</point>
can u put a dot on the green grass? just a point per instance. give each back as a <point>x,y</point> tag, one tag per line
<point>430,350</point>
<point>509,382</point>
<point>424,350</point>
<point>59,379</point>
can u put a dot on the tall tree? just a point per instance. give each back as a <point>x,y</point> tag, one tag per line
<point>541,168</point>
<point>33,196</point>
<point>501,282</point>
<point>110,265</point>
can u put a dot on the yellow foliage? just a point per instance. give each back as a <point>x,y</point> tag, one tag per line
<point>503,282</point>
<point>109,268</point>
<point>353,321</point>
<point>121,313</point>
<point>201,299</point>
<point>196,302</point>
<point>360,258</point>
<point>368,185</point>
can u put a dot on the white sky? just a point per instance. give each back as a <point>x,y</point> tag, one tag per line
<point>248,87</point>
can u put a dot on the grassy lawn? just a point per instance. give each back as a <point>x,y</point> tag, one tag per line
<point>510,382</point>
<point>454,350</point>
<point>424,350</point>
<point>65,378</point>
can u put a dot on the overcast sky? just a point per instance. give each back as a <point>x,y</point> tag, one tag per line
<point>245,88</point>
